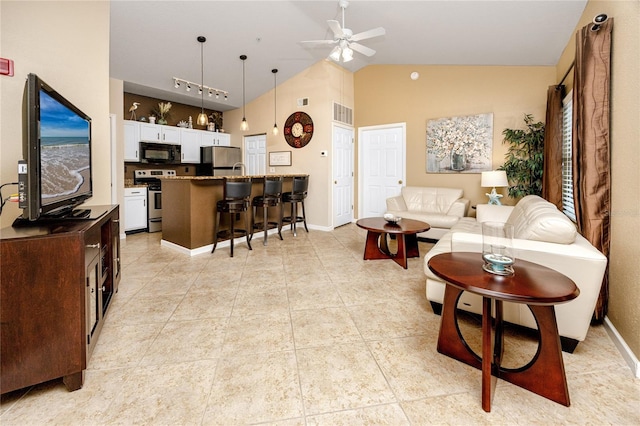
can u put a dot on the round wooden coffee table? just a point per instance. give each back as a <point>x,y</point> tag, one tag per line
<point>535,285</point>
<point>376,246</point>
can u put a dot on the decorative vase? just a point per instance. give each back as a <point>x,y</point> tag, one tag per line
<point>162,121</point>
<point>458,161</point>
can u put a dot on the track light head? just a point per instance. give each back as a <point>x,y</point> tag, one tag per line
<point>188,87</point>
<point>600,19</point>
<point>176,84</point>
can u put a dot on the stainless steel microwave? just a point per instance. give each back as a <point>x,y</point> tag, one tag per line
<point>159,153</point>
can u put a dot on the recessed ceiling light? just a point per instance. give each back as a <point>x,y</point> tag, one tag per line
<point>415,75</point>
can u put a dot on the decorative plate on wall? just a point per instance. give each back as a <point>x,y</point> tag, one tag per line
<point>298,129</point>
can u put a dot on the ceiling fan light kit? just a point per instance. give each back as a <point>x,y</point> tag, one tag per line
<point>346,42</point>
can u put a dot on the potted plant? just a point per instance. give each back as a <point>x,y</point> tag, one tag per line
<point>162,112</point>
<point>524,159</point>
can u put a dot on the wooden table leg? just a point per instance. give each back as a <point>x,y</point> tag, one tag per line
<point>545,374</point>
<point>371,248</point>
<point>487,353</point>
<point>450,342</point>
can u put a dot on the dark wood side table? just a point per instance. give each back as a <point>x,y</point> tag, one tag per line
<point>535,285</point>
<point>377,229</point>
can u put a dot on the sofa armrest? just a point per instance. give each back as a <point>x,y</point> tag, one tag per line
<point>396,204</point>
<point>492,213</point>
<point>459,208</point>
<point>580,261</point>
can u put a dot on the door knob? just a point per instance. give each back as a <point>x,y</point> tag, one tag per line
<point>335,181</point>
<point>400,182</point>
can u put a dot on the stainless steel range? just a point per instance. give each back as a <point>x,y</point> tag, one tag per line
<point>151,178</point>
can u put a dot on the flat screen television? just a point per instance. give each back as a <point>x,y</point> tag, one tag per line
<point>57,151</point>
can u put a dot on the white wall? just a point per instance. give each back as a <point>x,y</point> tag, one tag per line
<point>67,45</point>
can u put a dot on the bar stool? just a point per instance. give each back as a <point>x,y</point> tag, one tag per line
<point>237,195</point>
<point>271,197</point>
<point>297,195</point>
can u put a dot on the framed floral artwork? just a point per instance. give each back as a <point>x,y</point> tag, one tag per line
<point>460,144</point>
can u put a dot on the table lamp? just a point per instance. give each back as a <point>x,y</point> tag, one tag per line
<point>494,178</point>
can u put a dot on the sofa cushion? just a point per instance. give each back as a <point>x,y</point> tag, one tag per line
<point>430,200</point>
<point>536,219</point>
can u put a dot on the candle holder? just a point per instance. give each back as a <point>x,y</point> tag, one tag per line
<point>497,248</point>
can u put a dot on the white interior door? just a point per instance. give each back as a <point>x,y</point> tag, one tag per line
<point>342,175</point>
<point>381,169</point>
<point>255,154</point>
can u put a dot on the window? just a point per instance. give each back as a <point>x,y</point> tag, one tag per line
<point>568,204</point>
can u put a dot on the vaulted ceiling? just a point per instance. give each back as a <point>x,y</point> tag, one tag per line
<point>153,41</point>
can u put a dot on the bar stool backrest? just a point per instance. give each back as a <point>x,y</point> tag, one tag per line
<point>272,187</point>
<point>237,189</point>
<point>300,185</point>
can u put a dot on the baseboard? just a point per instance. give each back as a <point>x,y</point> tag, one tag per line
<point>221,244</point>
<point>622,346</point>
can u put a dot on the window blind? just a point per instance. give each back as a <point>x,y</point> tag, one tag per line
<point>568,204</point>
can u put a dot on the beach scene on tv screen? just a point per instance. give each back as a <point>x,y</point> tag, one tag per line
<point>65,155</point>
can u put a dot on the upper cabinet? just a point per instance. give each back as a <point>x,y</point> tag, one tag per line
<point>215,139</point>
<point>157,133</point>
<point>190,139</point>
<point>131,141</point>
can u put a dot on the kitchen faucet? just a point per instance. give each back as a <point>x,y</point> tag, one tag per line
<point>242,167</point>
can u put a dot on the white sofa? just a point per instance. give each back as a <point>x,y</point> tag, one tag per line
<point>441,208</point>
<point>543,235</point>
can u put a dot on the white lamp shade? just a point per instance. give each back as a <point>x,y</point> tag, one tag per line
<point>493,179</point>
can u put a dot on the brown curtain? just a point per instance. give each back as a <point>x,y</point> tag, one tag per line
<point>591,158</point>
<point>552,174</point>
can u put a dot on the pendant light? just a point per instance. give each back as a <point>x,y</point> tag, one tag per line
<point>202,117</point>
<point>275,98</point>
<point>244,126</point>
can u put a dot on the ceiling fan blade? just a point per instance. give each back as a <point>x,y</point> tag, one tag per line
<point>362,49</point>
<point>319,42</point>
<point>376,32</point>
<point>336,28</point>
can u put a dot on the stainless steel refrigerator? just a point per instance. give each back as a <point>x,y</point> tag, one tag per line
<point>219,161</point>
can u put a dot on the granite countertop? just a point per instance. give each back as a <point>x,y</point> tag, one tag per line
<point>231,176</point>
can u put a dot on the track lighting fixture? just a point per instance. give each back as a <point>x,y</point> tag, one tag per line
<point>244,126</point>
<point>202,120</point>
<point>598,20</point>
<point>178,82</point>
<point>275,98</point>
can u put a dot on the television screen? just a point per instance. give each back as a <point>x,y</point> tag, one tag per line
<point>65,154</point>
<point>57,154</point>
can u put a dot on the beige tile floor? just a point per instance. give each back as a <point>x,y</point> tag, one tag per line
<point>300,332</point>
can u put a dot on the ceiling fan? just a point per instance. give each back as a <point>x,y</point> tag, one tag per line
<point>344,39</point>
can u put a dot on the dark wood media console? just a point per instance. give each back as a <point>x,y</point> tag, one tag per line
<point>56,283</point>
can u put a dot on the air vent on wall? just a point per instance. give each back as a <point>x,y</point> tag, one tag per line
<point>342,114</point>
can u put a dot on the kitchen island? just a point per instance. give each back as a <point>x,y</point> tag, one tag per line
<point>189,208</point>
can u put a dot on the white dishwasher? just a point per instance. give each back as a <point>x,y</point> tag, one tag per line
<point>135,209</point>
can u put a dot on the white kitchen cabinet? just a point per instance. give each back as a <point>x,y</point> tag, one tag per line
<point>215,139</point>
<point>135,209</point>
<point>131,141</point>
<point>190,140</point>
<point>157,133</point>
